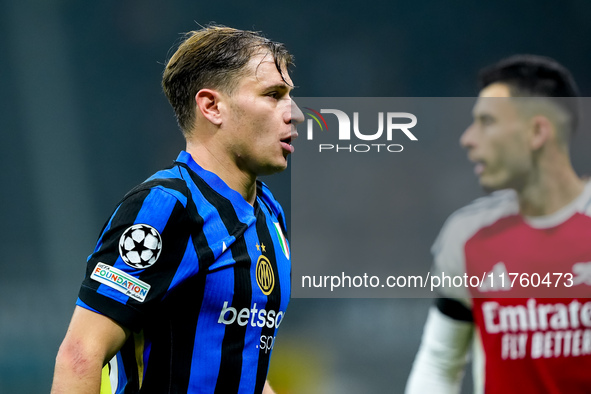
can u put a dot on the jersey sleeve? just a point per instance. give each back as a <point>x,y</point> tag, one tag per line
<point>449,247</point>
<point>136,257</point>
<point>449,259</point>
<point>440,362</point>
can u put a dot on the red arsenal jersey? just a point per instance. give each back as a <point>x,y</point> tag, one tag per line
<point>532,304</point>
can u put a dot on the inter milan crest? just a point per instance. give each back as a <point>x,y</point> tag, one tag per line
<point>265,276</point>
<point>140,246</point>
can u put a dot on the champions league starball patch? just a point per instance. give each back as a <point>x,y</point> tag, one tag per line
<point>140,246</point>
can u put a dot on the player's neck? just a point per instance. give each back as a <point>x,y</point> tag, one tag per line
<point>219,164</point>
<point>549,190</point>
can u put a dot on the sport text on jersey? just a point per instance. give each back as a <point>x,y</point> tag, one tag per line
<point>253,317</point>
<point>540,330</point>
<point>400,122</point>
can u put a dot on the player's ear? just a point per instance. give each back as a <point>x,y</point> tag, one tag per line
<point>542,130</point>
<point>207,101</point>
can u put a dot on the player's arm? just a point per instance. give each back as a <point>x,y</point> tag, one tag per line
<point>439,365</point>
<point>90,342</point>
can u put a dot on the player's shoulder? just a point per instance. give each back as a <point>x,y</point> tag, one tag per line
<point>481,212</point>
<point>485,210</point>
<point>460,226</point>
<point>168,183</point>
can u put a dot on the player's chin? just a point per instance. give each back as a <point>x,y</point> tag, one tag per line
<point>281,167</point>
<point>489,184</point>
<point>273,168</point>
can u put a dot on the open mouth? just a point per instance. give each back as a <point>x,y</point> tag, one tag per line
<point>479,167</point>
<point>286,144</point>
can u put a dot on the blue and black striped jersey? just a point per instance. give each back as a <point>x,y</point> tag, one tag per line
<point>200,276</point>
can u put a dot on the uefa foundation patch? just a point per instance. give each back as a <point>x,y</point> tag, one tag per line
<point>120,281</point>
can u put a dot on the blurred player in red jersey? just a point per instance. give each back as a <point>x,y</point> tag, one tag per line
<point>535,226</point>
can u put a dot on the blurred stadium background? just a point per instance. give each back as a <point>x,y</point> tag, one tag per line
<point>83,120</point>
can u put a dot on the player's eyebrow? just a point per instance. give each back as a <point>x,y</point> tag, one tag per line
<point>282,86</point>
<point>483,117</point>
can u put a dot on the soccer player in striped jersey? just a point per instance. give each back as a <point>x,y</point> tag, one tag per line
<point>190,277</point>
<point>532,335</point>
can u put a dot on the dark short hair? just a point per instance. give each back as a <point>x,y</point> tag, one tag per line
<point>213,57</point>
<point>535,76</point>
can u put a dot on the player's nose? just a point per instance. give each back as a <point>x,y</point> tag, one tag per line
<point>467,139</point>
<point>296,116</point>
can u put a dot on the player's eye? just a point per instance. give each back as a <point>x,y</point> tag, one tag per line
<point>486,120</point>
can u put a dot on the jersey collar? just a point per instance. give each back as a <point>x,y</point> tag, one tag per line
<point>217,184</point>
